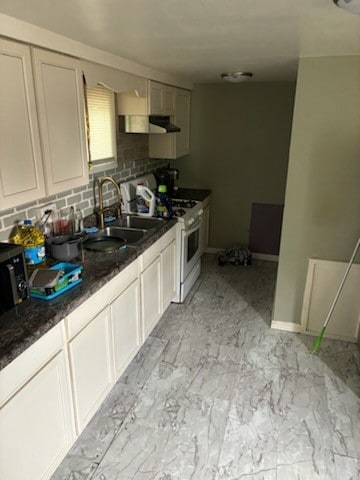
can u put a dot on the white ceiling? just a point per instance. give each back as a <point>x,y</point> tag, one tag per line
<point>199,39</point>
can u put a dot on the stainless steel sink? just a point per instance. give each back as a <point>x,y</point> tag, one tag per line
<point>110,239</point>
<point>146,223</point>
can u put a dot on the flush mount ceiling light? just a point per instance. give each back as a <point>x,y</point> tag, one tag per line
<point>352,6</point>
<point>236,77</point>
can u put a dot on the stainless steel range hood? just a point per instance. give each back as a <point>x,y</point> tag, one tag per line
<point>148,124</point>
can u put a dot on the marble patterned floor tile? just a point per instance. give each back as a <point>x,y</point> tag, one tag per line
<point>347,468</point>
<point>75,467</point>
<point>305,432</point>
<point>176,436</point>
<point>303,470</point>
<point>142,365</point>
<point>250,441</point>
<point>260,475</point>
<point>346,367</point>
<point>215,394</point>
<point>344,415</point>
<point>92,445</point>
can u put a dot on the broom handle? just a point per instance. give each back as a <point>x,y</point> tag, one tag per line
<point>341,284</point>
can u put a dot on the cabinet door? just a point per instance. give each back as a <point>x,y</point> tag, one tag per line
<point>174,145</point>
<point>59,89</point>
<point>35,425</point>
<point>91,367</point>
<point>155,98</point>
<point>182,120</point>
<point>21,171</point>
<point>168,274</point>
<point>151,303</point>
<point>168,100</point>
<point>126,327</point>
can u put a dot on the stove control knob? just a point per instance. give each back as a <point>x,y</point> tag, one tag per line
<point>191,221</point>
<point>22,285</point>
<point>200,212</point>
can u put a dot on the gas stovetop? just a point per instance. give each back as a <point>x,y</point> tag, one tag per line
<point>188,212</point>
<point>182,203</point>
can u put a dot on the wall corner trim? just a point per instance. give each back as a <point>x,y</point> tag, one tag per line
<point>286,326</point>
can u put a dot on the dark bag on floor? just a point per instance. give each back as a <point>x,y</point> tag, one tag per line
<point>236,256</point>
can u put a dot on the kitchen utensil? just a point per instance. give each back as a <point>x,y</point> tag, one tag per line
<point>64,247</point>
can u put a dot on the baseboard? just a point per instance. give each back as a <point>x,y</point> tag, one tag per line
<point>213,250</point>
<point>286,326</point>
<point>257,256</point>
<point>331,336</point>
<point>265,256</point>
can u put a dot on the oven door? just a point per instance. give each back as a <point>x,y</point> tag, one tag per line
<point>191,241</point>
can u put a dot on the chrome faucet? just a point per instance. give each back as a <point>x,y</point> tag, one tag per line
<point>101,210</point>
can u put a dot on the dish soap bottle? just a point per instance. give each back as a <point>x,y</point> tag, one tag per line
<point>163,203</point>
<point>145,200</point>
<point>33,241</point>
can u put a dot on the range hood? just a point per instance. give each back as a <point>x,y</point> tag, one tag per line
<point>148,124</point>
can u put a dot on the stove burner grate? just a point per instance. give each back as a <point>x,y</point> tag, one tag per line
<point>181,203</point>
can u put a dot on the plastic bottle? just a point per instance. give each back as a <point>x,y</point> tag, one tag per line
<point>163,203</point>
<point>33,241</point>
<point>145,201</point>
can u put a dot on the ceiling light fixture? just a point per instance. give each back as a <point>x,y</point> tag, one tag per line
<point>236,77</point>
<point>352,6</point>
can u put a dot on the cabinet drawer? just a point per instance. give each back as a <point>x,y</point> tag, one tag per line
<point>97,302</point>
<point>18,372</point>
<point>151,253</point>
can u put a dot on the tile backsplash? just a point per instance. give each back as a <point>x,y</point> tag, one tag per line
<point>133,161</point>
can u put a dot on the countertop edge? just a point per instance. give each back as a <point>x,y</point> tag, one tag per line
<point>22,326</point>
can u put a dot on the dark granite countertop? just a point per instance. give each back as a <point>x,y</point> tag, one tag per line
<point>192,194</point>
<point>25,324</point>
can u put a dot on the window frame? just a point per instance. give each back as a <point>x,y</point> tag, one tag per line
<point>103,164</point>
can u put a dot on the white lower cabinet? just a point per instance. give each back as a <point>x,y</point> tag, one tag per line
<point>158,279</point>
<point>151,299</point>
<point>126,326</point>
<point>91,367</point>
<point>36,422</point>
<point>50,392</point>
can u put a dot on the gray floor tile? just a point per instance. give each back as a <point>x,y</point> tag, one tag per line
<point>215,394</point>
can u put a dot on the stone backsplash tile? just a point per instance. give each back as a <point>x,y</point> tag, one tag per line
<point>133,161</point>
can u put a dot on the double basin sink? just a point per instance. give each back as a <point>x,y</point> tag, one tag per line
<point>129,230</point>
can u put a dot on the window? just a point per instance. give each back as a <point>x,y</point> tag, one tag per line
<point>102,135</point>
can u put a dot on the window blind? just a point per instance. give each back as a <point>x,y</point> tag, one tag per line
<point>101,109</point>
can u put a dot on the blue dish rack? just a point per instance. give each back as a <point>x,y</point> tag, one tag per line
<point>72,277</point>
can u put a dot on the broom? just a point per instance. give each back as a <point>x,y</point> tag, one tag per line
<point>317,341</point>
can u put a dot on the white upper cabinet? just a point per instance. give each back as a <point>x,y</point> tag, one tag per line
<point>60,101</point>
<point>161,99</point>
<point>21,170</point>
<point>174,145</point>
<point>43,148</point>
<point>182,120</point>
<point>155,98</point>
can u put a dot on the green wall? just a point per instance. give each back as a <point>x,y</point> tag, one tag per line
<point>322,203</point>
<point>239,141</point>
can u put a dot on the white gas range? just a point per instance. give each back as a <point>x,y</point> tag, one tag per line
<point>189,233</point>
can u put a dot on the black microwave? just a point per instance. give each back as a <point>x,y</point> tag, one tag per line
<point>14,287</point>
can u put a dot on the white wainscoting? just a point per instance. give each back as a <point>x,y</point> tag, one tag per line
<point>322,282</point>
